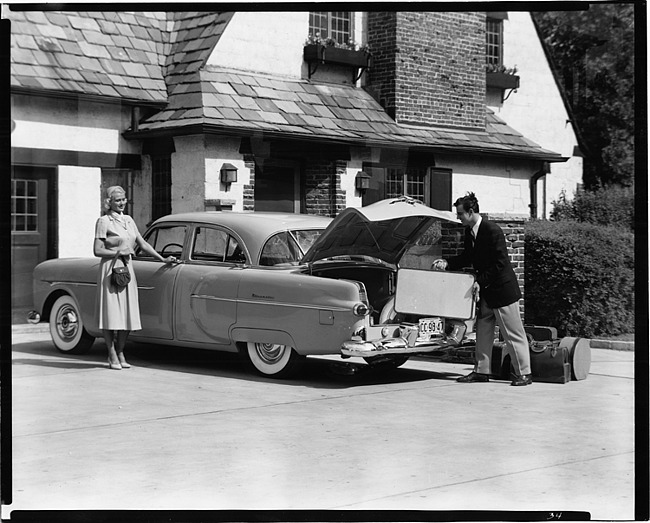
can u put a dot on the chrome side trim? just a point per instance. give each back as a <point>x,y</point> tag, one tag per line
<point>273,303</point>
<point>82,284</point>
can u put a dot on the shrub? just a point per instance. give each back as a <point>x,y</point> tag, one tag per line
<point>613,205</point>
<point>579,278</point>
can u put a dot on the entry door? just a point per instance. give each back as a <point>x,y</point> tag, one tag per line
<point>277,187</point>
<point>30,228</point>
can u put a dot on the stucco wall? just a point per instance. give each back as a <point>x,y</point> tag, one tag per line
<point>188,174</point>
<point>263,41</point>
<point>53,123</point>
<point>79,207</point>
<point>269,42</point>
<point>536,109</point>
<point>220,150</point>
<point>501,186</point>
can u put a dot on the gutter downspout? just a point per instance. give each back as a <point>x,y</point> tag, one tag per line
<point>546,168</point>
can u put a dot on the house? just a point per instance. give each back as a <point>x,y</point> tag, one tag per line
<point>235,111</point>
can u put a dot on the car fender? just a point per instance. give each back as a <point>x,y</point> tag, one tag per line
<point>315,313</point>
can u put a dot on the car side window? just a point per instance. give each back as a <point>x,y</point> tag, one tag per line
<point>166,240</point>
<point>279,248</point>
<point>212,244</point>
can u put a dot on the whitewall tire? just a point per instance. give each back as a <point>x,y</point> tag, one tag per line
<point>67,328</point>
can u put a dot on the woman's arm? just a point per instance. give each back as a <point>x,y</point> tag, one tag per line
<point>142,243</point>
<point>102,250</point>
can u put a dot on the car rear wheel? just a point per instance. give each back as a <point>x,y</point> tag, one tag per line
<point>274,360</point>
<point>67,328</point>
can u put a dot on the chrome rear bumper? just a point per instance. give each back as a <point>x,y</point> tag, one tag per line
<point>368,349</point>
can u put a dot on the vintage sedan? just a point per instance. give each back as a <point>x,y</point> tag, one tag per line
<point>278,287</point>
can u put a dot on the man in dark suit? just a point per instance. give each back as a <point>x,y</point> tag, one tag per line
<point>486,252</point>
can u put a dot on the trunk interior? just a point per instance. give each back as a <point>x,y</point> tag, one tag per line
<point>379,280</point>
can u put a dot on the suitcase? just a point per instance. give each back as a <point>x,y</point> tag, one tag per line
<point>549,362</point>
<point>501,367</point>
<point>579,356</point>
<point>539,333</point>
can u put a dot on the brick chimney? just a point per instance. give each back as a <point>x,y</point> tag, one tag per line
<point>429,67</point>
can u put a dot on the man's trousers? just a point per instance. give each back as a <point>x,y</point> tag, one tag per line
<point>512,329</point>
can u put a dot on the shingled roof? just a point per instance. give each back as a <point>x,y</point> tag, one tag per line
<point>218,99</point>
<point>107,53</point>
<point>126,55</point>
<point>160,58</point>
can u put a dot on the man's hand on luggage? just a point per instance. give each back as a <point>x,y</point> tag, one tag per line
<point>439,265</point>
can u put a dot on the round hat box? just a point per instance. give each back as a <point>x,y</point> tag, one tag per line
<point>579,356</point>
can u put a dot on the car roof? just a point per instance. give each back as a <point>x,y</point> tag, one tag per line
<point>254,228</point>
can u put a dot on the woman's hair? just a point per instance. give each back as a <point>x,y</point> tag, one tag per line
<point>109,194</point>
<point>468,202</point>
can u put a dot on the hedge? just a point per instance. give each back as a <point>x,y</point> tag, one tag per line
<point>579,278</point>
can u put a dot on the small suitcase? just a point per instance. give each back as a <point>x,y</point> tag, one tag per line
<point>540,333</point>
<point>549,362</point>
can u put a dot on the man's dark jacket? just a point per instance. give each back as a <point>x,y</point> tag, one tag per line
<point>489,259</point>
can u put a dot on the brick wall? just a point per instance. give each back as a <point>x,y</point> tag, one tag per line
<point>429,67</point>
<point>513,229</point>
<point>249,189</point>
<point>323,193</point>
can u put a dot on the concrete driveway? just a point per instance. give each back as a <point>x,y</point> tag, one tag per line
<point>193,430</point>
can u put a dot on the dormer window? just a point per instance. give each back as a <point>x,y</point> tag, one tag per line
<point>494,38</point>
<point>336,25</point>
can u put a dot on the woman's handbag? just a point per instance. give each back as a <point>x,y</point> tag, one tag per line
<point>120,276</point>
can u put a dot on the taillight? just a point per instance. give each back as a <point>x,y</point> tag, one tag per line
<point>361,309</point>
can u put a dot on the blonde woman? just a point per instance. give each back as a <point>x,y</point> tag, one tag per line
<point>116,236</point>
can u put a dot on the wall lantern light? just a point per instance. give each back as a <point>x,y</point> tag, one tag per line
<point>228,173</point>
<point>362,181</point>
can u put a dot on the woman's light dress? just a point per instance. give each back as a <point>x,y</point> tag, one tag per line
<point>117,309</point>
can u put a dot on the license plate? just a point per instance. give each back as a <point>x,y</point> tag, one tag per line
<point>430,327</point>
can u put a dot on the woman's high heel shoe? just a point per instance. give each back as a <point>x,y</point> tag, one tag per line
<point>123,363</point>
<point>114,366</point>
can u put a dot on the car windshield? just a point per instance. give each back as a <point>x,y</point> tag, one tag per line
<point>288,246</point>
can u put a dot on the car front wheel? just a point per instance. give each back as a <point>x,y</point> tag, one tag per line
<point>67,328</point>
<point>274,360</point>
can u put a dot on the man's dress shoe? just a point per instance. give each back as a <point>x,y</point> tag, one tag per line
<point>474,377</point>
<point>520,381</point>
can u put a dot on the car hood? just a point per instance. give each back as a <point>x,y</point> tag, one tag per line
<point>383,230</point>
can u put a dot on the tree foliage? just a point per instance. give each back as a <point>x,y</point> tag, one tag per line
<point>609,206</point>
<point>593,51</point>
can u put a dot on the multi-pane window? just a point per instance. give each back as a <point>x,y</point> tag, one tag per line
<point>494,41</point>
<point>409,182</point>
<point>161,185</point>
<point>24,208</point>
<point>334,25</point>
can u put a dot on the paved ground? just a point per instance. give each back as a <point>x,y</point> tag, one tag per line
<point>199,431</point>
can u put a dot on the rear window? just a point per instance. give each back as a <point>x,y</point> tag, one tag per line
<point>287,246</point>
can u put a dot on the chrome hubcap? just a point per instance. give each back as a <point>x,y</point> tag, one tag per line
<point>67,323</point>
<point>269,353</point>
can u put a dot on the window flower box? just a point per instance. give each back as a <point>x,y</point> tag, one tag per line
<point>502,80</point>
<point>336,55</point>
